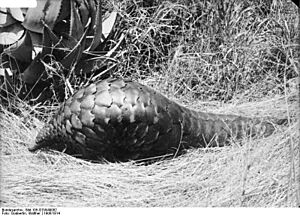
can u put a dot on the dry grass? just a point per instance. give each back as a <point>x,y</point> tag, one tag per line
<point>211,50</point>
<point>258,173</point>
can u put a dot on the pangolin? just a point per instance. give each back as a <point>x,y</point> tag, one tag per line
<point>122,120</point>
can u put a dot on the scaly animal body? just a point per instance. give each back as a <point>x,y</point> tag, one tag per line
<point>122,120</point>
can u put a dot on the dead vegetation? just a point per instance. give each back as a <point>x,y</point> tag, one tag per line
<point>253,173</point>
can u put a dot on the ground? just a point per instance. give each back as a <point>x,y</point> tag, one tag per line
<point>254,173</point>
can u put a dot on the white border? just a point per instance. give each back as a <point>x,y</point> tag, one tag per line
<point>18,3</point>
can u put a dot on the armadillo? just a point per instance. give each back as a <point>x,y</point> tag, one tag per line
<point>122,120</point>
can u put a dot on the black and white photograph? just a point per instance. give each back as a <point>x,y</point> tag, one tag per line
<point>146,104</point>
